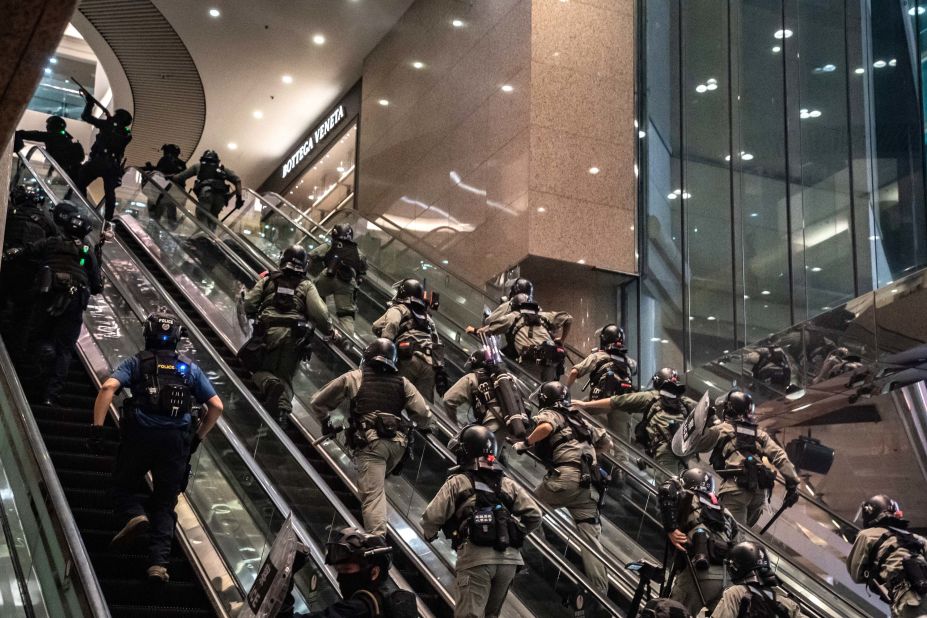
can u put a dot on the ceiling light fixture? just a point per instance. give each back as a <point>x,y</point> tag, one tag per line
<point>257,114</point>
<point>916,10</point>
<point>287,79</point>
<point>232,146</point>
<point>746,156</point>
<point>816,269</point>
<point>48,70</point>
<point>214,12</point>
<point>776,49</point>
<point>782,34</point>
<point>711,318</point>
<point>859,70</point>
<point>594,170</point>
<point>541,209</point>
<point>641,134</point>
<point>765,292</point>
<point>318,39</point>
<point>507,88</point>
<point>418,65</point>
<point>384,102</point>
<point>457,23</point>
<point>879,64</point>
<point>54,61</point>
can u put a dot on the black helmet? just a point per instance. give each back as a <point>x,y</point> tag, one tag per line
<point>294,259</point>
<point>122,117</point>
<point>472,443</point>
<point>63,211</point>
<point>55,124</point>
<point>171,149</point>
<point>210,156</point>
<point>521,286</point>
<point>554,394</point>
<point>737,404</point>
<point>409,289</point>
<point>665,376</point>
<point>343,231</point>
<point>611,336</point>
<point>476,360</point>
<point>354,546</point>
<point>524,301</point>
<point>878,509</point>
<point>77,226</point>
<point>697,479</point>
<point>747,562</point>
<point>162,330</point>
<point>381,353</point>
<point>26,197</point>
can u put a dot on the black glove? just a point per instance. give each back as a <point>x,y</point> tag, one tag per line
<point>11,254</point>
<point>195,443</point>
<point>327,428</point>
<point>239,202</point>
<point>791,495</point>
<point>442,382</point>
<point>95,441</point>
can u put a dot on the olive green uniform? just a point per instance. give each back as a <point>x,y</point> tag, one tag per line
<point>461,393</point>
<point>484,574</point>
<point>282,356</point>
<point>696,512</point>
<point>668,415</point>
<point>527,337</point>
<point>343,293</point>
<point>562,487</point>
<point>379,456</point>
<point>210,198</point>
<point>502,309</point>
<point>420,368</point>
<point>906,603</point>
<point>744,504</point>
<point>729,606</point>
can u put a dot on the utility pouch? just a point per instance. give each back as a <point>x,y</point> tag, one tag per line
<point>174,400</point>
<point>699,550</point>
<point>586,471</point>
<point>483,527</point>
<point>45,276</point>
<point>406,348</point>
<point>749,479</point>
<point>388,425</point>
<point>765,478</point>
<point>915,571</point>
<point>517,532</point>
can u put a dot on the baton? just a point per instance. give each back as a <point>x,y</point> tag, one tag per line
<point>90,97</point>
<point>774,517</point>
<point>326,436</point>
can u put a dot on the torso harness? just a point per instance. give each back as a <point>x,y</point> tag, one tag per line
<point>487,521</point>
<point>166,384</point>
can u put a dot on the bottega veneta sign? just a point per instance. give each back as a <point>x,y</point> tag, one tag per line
<point>317,136</point>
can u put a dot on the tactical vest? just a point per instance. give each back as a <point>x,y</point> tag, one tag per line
<point>165,387</point>
<point>487,520</point>
<point>343,260</point>
<point>64,149</point>
<point>575,428</point>
<point>530,319</point>
<point>378,405</point>
<point>710,518</point>
<point>26,225</point>
<point>417,333</point>
<point>280,292</point>
<point>611,376</point>
<point>755,604</point>
<point>210,175</point>
<point>914,566</point>
<point>389,602</point>
<point>68,258</point>
<point>483,395</point>
<point>111,142</point>
<point>641,430</point>
<point>752,474</point>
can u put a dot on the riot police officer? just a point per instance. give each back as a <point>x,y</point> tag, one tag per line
<point>569,445</point>
<point>68,274</point>
<point>340,268</point>
<point>486,516</point>
<point>738,447</point>
<point>377,430</point>
<point>702,531</point>
<point>58,143</point>
<point>660,410</point>
<point>519,286</point>
<point>114,132</point>
<point>166,202</point>
<point>159,433</point>
<point>362,562</point>
<point>889,559</point>
<point>27,221</point>
<point>533,337</point>
<point>408,323</point>
<point>211,187</point>
<point>492,394</point>
<point>286,309</point>
<point>756,592</point>
<point>170,162</point>
<point>609,368</point>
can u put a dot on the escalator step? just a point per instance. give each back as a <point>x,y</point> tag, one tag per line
<point>74,428</point>
<point>58,413</point>
<point>111,565</point>
<point>142,592</point>
<point>82,461</point>
<point>83,479</point>
<point>132,611</point>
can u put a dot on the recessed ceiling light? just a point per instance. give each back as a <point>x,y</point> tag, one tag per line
<point>641,134</point>
<point>384,102</point>
<point>701,88</point>
<point>541,209</point>
<point>318,39</point>
<point>418,65</point>
<point>892,62</point>
<point>340,169</point>
<point>916,10</point>
<point>711,318</point>
<point>54,61</point>
<point>457,23</point>
<point>746,156</point>
<point>48,70</point>
<point>594,170</point>
<point>879,64</point>
<point>507,88</point>
<point>782,34</point>
<point>776,49</point>
<point>214,12</point>
<point>580,261</point>
<point>287,79</point>
<point>816,269</point>
<point>257,114</point>
<point>765,292</point>
<point>859,70</point>
<point>232,146</point>
<point>754,214</point>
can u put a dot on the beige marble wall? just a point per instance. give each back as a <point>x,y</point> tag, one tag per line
<point>483,154</point>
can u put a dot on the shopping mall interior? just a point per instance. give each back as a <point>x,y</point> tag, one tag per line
<point>737,187</point>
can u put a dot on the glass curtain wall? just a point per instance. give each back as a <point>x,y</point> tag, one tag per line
<point>782,147</point>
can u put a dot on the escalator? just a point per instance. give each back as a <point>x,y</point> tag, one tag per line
<point>632,510</point>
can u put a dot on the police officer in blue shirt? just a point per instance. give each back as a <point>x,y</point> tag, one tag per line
<point>159,433</point>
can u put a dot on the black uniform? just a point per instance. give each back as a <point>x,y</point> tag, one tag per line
<point>26,223</point>
<point>68,275</point>
<point>106,157</point>
<point>168,165</point>
<point>60,145</point>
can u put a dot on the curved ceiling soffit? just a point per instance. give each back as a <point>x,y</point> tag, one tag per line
<point>167,92</point>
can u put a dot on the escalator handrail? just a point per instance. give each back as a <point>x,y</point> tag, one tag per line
<point>272,425</point>
<point>222,425</point>
<point>59,503</point>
